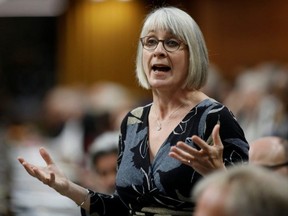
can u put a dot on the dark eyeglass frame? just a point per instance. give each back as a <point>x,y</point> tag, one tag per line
<point>142,40</point>
<point>276,166</point>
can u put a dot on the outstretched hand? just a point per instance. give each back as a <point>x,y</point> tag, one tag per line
<point>205,160</point>
<point>49,175</point>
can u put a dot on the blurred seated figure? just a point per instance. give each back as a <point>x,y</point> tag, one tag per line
<point>27,196</point>
<point>279,88</point>
<point>270,152</point>
<point>61,123</point>
<point>242,191</point>
<point>258,100</point>
<point>103,154</point>
<point>107,104</point>
<point>59,130</point>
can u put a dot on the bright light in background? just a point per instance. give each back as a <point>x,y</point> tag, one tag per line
<point>16,8</point>
<point>108,13</point>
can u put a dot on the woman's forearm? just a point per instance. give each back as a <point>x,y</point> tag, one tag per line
<point>79,195</point>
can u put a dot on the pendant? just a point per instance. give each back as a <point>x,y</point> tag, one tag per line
<point>158,128</point>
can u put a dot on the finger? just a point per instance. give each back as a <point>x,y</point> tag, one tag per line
<point>185,147</point>
<point>28,167</point>
<point>52,177</point>
<point>45,155</point>
<point>177,157</point>
<point>200,143</point>
<point>180,154</point>
<point>216,136</point>
<point>188,161</point>
<point>51,180</point>
<point>41,176</point>
<point>21,160</point>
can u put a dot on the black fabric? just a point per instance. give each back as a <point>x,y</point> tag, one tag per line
<point>166,182</point>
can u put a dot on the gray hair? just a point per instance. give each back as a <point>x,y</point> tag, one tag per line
<point>249,191</point>
<point>183,26</point>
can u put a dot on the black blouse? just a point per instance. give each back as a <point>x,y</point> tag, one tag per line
<point>165,183</point>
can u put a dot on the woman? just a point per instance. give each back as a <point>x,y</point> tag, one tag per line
<point>168,145</point>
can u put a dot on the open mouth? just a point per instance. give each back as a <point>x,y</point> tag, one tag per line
<point>161,68</point>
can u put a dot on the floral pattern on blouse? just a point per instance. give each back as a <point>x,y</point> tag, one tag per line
<point>166,182</point>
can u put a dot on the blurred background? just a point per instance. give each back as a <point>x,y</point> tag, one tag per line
<point>67,77</point>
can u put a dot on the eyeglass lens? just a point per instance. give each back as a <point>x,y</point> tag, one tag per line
<point>170,44</point>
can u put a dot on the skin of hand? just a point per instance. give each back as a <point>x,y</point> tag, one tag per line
<point>52,176</point>
<point>206,160</point>
<point>49,175</point>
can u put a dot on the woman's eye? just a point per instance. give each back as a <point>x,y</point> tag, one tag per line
<point>151,41</point>
<point>172,43</point>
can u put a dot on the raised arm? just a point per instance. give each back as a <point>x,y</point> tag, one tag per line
<point>52,176</point>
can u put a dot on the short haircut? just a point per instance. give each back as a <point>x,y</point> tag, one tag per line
<point>182,25</point>
<point>104,144</point>
<point>248,190</point>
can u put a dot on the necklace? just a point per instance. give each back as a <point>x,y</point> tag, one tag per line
<point>159,125</point>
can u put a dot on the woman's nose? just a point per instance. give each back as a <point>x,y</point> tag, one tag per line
<point>160,50</point>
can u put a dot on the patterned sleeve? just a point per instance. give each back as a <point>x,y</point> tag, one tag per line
<point>105,205</point>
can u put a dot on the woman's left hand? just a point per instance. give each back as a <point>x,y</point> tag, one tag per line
<point>206,160</point>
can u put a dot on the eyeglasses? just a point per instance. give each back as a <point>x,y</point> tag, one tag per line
<point>276,166</point>
<point>170,45</point>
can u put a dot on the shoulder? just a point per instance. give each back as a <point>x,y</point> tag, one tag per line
<point>136,115</point>
<point>211,106</point>
<point>138,112</point>
<point>214,111</point>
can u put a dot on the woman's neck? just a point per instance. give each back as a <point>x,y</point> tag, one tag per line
<point>166,105</point>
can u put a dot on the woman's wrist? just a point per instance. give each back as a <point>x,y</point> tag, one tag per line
<point>87,196</point>
<point>79,194</point>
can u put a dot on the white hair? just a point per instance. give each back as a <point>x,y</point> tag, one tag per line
<point>182,25</point>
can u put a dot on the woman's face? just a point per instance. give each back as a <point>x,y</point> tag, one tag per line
<point>164,69</point>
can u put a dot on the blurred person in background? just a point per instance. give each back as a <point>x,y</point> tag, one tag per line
<point>107,104</point>
<point>279,89</point>
<point>63,129</point>
<point>59,130</point>
<point>103,154</point>
<point>270,152</point>
<point>259,101</point>
<point>242,191</point>
<point>166,146</point>
<point>62,125</point>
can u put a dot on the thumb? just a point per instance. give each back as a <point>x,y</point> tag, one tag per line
<point>45,155</point>
<point>216,135</point>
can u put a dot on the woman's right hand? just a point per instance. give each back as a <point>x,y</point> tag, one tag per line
<point>49,175</point>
